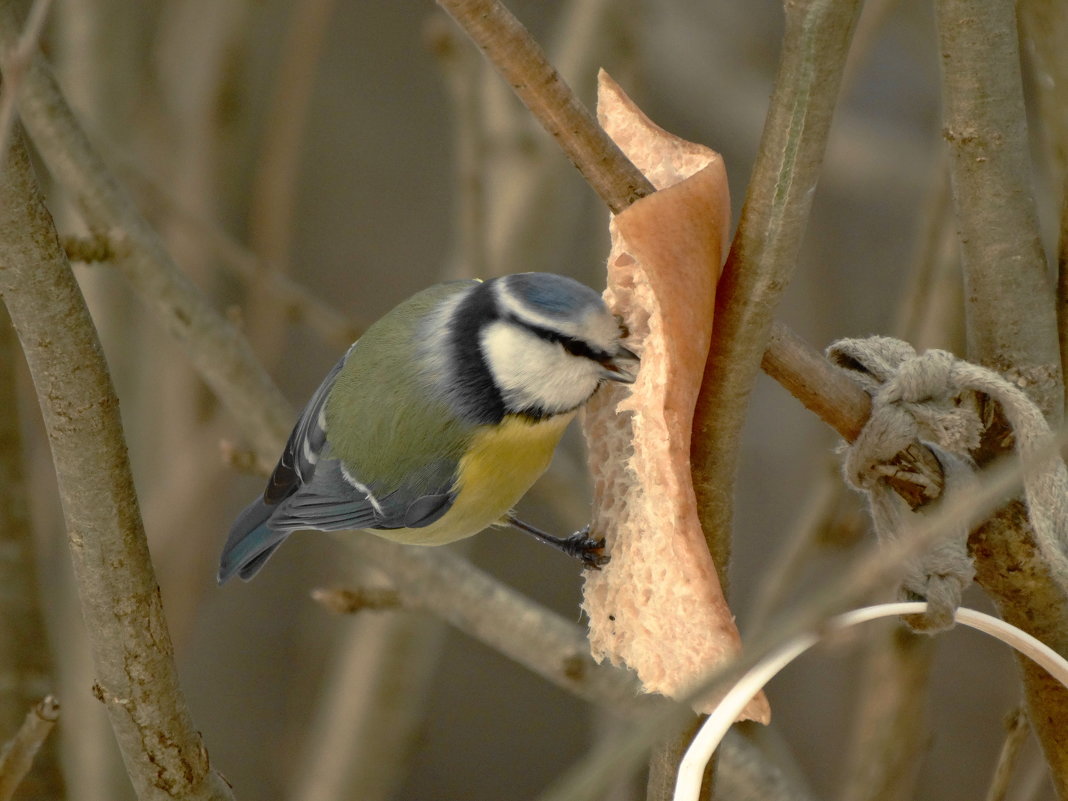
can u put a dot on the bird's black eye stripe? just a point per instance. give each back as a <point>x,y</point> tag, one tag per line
<point>576,347</point>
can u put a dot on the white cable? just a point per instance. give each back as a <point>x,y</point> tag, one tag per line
<point>692,767</point>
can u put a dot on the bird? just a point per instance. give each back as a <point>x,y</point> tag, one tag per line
<point>440,417</point>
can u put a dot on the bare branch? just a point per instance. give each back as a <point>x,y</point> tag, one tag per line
<point>346,601</point>
<point>14,65</point>
<point>485,609</point>
<point>120,599</point>
<point>1016,731</point>
<point>221,355</point>
<point>18,753</point>
<point>1010,315</point>
<point>766,246</point>
<point>1011,318</point>
<point>26,663</point>
<point>521,62</point>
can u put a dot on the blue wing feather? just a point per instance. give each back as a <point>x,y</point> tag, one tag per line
<point>309,490</point>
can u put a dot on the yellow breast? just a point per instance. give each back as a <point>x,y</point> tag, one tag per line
<point>501,465</point>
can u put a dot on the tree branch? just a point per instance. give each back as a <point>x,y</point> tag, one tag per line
<point>766,246</point>
<point>217,349</point>
<point>1010,315</point>
<point>521,62</point>
<point>26,665</point>
<point>505,620</point>
<point>14,65</point>
<point>1009,300</point>
<point>132,651</point>
<point>18,753</point>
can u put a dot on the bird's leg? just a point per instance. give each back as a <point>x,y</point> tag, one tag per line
<point>580,544</point>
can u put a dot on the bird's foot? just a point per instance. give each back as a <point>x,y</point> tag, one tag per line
<point>585,548</point>
<point>579,545</point>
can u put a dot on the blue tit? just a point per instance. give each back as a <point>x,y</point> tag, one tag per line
<point>440,417</point>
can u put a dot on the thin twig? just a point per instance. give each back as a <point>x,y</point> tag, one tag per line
<point>485,609</point>
<point>890,728</point>
<point>14,65</point>
<point>16,758</point>
<point>778,578</point>
<point>461,67</point>
<point>221,355</point>
<point>273,196</point>
<point>521,62</point>
<point>132,651</point>
<point>1016,731</point>
<point>349,601</point>
<point>26,663</point>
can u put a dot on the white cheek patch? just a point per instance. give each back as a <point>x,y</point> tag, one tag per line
<point>533,372</point>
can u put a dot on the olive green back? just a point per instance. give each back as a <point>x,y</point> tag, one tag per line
<point>387,421</point>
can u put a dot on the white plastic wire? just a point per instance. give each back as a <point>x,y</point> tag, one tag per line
<point>692,767</point>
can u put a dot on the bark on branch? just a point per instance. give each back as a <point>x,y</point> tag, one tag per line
<point>216,348</point>
<point>132,652</point>
<point>1010,316</point>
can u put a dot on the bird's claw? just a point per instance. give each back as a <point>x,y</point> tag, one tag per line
<point>585,548</point>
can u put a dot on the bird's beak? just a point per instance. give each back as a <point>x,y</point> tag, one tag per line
<point>622,366</point>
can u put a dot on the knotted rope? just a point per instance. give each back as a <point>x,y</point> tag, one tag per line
<point>931,397</point>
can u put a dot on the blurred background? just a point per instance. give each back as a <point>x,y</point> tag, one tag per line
<point>310,164</point>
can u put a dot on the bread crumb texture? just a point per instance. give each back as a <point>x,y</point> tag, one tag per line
<point>657,606</point>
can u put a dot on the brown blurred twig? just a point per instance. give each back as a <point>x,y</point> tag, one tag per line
<point>14,64</point>
<point>503,619</point>
<point>273,196</point>
<point>366,725</point>
<point>890,730</point>
<point>18,753</point>
<point>521,62</point>
<point>136,676</point>
<point>1016,731</point>
<point>349,601</point>
<point>26,664</point>
<point>461,68</point>
<point>219,352</point>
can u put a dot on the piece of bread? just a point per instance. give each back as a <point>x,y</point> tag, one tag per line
<point>657,606</point>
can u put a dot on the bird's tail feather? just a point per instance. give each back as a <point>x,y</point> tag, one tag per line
<point>250,543</point>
